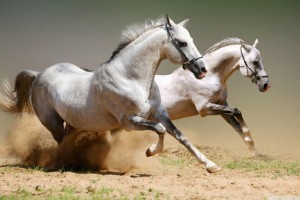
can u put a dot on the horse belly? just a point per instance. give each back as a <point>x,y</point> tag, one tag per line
<point>96,120</point>
<point>181,110</point>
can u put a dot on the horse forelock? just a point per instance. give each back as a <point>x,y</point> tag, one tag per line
<point>224,43</point>
<point>132,32</point>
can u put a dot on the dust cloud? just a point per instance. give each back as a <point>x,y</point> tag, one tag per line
<point>29,143</point>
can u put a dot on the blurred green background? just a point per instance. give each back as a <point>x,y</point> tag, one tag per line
<point>35,34</point>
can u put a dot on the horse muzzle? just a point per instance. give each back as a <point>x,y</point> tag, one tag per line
<point>264,86</point>
<point>198,71</point>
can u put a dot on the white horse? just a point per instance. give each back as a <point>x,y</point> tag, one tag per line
<point>120,94</point>
<point>208,95</point>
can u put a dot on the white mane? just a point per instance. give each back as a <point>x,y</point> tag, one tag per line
<point>132,32</point>
<point>224,43</point>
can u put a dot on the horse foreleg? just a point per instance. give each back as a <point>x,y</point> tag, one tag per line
<point>210,166</point>
<point>234,117</point>
<point>140,123</point>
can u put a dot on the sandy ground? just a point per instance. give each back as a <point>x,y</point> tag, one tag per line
<point>91,166</point>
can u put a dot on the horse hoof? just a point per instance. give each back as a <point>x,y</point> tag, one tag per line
<point>213,169</point>
<point>51,168</point>
<point>256,154</point>
<point>151,150</point>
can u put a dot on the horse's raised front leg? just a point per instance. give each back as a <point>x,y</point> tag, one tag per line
<point>234,117</point>
<point>163,117</point>
<point>140,123</point>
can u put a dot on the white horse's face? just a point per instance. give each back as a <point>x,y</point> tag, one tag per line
<point>251,66</point>
<point>180,49</point>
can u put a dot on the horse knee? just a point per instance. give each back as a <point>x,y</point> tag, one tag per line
<point>160,129</point>
<point>236,111</point>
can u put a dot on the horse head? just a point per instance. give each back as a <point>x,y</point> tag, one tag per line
<point>251,66</point>
<point>180,48</point>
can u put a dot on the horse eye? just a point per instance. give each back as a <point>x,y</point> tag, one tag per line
<point>255,62</point>
<point>181,44</point>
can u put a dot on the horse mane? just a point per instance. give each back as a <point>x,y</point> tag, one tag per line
<point>132,32</point>
<point>224,43</point>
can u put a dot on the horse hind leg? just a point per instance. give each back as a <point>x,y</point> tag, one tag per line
<point>68,129</point>
<point>247,135</point>
<point>55,124</point>
<point>243,131</point>
<point>234,117</point>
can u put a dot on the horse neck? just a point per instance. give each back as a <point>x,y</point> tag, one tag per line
<point>141,58</point>
<point>223,61</point>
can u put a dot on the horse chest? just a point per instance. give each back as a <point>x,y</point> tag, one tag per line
<point>211,88</point>
<point>217,94</point>
<point>130,98</point>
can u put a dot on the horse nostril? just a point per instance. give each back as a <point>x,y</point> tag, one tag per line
<point>266,86</point>
<point>203,69</point>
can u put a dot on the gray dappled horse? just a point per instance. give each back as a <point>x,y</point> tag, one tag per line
<point>120,94</point>
<point>208,95</point>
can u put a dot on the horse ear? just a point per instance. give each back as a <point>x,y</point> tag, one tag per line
<point>255,43</point>
<point>184,22</point>
<point>170,22</point>
<point>245,46</point>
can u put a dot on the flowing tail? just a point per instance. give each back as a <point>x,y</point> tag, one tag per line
<point>17,100</point>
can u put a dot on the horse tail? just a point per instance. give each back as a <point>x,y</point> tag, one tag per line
<point>17,100</point>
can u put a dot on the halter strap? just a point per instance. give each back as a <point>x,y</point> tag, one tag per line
<point>187,61</point>
<point>256,77</point>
